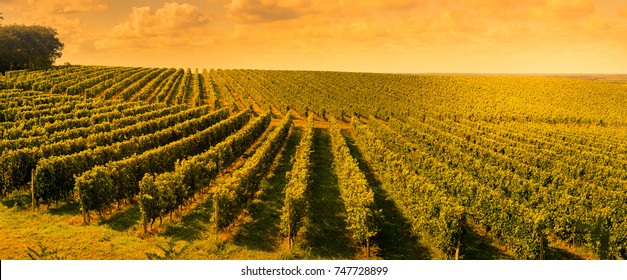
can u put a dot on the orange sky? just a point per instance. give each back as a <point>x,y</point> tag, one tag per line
<point>488,36</point>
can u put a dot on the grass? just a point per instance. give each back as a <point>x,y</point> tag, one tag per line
<point>325,236</point>
<point>68,209</point>
<point>21,229</point>
<point>261,230</point>
<point>124,220</point>
<point>395,239</point>
<point>191,226</point>
<point>479,246</point>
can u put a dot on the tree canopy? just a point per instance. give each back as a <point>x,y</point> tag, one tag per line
<point>28,47</point>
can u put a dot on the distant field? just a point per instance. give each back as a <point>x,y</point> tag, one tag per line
<point>618,78</point>
<point>135,163</point>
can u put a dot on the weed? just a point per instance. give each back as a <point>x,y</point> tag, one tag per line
<point>43,253</point>
<point>169,252</point>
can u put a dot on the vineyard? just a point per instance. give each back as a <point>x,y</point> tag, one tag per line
<point>113,162</point>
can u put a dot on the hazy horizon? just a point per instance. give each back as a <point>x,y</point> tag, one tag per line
<point>536,37</point>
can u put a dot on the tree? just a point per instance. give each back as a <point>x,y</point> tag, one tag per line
<point>28,47</point>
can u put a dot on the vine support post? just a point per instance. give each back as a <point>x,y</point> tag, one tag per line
<point>541,247</point>
<point>142,209</point>
<point>457,246</point>
<point>85,212</point>
<point>32,189</point>
<point>84,216</point>
<point>367,243</point>
<point>216,206</point>
<point>289,225</point>
<point>368,247</point>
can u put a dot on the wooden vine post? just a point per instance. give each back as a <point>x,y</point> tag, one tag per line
<point>32,189</point>
<point>289,224</point>
<point>367,243</point>
<point>144,219</point>
<point>459,243</point>
<point>216,207</point>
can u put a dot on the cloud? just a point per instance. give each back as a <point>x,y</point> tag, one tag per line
<point>168,20</point>
<point>69,6</point>
<point>71,33</point>
<point>264,11</point>
<point>171,25</point>
<point>334,34</point>
<point>491,26</point>
<point>257,11</point>
<point>261,11</point>
<point>504,26</point>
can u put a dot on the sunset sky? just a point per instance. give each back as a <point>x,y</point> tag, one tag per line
<point>473,36</point>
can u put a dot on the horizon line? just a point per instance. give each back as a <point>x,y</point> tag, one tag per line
<point>372,72</point>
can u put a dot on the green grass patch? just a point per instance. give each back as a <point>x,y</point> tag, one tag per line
<point>395,240</point>
<point>325,236</point>
<point>260,230</point>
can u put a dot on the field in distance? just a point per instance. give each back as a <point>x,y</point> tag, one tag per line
<point>134,163</point>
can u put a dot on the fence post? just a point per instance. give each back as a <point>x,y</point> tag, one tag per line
<point>32,189</point>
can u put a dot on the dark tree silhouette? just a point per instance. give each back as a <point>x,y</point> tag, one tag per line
<point>28,47</point>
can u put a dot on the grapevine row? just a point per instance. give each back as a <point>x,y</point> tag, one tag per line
<point>86,131</point>
<point>355,192</point>
<point>295,205</point>
<point>16,164</point>
<point>232,195</point>
<point>163,193</point>
<point>119,180</point>
<point>524,229</point>
<point>54,177</point>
